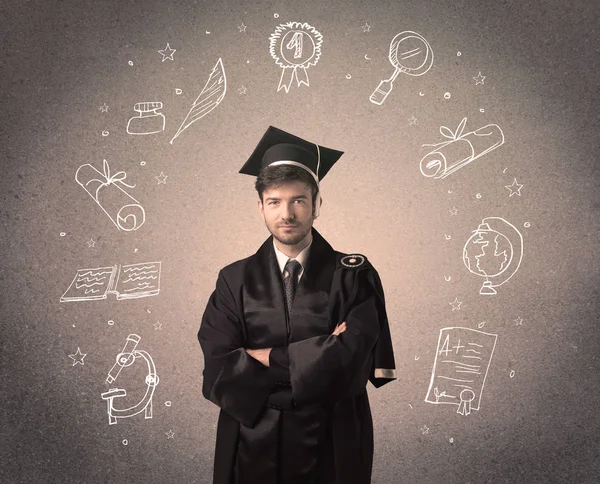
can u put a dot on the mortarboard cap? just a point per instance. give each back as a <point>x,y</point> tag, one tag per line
<point>280,148</point>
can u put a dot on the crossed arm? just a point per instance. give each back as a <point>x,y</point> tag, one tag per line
<point>262,354</point>
<point>321,368</point>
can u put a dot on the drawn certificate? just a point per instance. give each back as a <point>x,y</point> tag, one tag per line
<point>460,368</point>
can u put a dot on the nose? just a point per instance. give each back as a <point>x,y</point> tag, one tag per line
<point>288,211</point>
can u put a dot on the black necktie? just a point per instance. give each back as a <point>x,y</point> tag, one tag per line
<point>293,268</point>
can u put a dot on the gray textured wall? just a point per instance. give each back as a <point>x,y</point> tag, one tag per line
<point>61,61</point>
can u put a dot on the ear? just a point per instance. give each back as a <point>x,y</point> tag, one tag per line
<point>318,207</point>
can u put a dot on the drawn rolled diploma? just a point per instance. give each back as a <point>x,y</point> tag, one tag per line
<point>452,155</point>
<point>124,210</point>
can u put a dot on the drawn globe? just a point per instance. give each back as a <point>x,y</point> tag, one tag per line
<point>487,253</point>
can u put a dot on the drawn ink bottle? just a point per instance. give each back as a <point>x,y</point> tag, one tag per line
<point>149,121</point>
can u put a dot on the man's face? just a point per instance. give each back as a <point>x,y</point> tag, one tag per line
<point>288,212</point>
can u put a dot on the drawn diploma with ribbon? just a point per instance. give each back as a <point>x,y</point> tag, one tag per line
<point>295,47</point>
<point>460,149</point>
<point>461,364</point>
<point>108,191</point>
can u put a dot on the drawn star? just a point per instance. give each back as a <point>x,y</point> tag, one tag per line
<point>158,325</point>
<point>162,178</point>
<point>170,434</point>
<point>242,28</point>
<point>412,120</point>
<point>424,429</point>
<point>455,304</point>
<point>242,90</point>
<point>366,27</point>
<point>479,79</point>
<point>453,211</point>
<point>91,243</point>
<point>78,357</point>
<point>518,321</point>
<point>104,108</point>
<point>167,52</point>
<point>515,188</point>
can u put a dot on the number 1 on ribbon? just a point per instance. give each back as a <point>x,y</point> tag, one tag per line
<point>296,42</point>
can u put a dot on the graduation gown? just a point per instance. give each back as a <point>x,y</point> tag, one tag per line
<point>305,419</point>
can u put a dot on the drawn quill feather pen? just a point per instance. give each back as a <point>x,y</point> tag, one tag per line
<point>210,97</point>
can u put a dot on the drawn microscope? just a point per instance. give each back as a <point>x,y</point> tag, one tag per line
<point>126,358</point>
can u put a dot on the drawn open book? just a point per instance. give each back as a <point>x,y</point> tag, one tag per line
<point>127,282</point>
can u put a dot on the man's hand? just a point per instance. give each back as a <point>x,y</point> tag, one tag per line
<point>340,328</point>
<point>261,355</point>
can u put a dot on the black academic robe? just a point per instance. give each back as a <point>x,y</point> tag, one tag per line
<point>305,419</point>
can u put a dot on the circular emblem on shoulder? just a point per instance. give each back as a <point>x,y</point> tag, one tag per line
<point>353,260</point>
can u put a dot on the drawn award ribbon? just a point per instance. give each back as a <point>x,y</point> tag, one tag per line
<point>108,192</point>
<point>295,47</point>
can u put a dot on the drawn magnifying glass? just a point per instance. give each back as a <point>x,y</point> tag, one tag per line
<point>409,53</point>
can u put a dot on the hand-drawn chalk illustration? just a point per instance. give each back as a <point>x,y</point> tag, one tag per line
<point>167,52</point>
<point>424,430</point>
<point>108,192</point>
<point>78,357</point>
<point>209,98</point>
<point>453,211</point>
<point>127,358</point>
<point>162,178</point>
<point>148,120</point>
<point>412,121</point>
<point>447,95</point>
<point>366,27</point>
<point>455,304</point>
<point>91,243</point>
<point>493,253</point>
<point>478,79</point>
<point>242,90</point>
<point>460,149</point>
<point>105,133</point>
<point>242,28</point>
<point>104,108</point>
<point>461,364</point>
<point>410,54</point>
<point>295,47</point>
<point>127,282</point>
<point>518,321</point>
<point>170,434</point>
<point>514,188</point>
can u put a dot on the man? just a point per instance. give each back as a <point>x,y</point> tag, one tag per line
<point>291,335</point>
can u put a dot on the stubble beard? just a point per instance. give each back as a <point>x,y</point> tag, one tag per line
<point>292,239</point>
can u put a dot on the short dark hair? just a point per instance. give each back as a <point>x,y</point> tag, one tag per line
<point>271,177</point>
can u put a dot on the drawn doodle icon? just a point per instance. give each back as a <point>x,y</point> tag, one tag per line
<point>129,281</point>
<point>494,252</point>
<point>209,98</point>
<point>148,120</point>
<point>109,192</point>
<point>460,149</point>
<point>410,54</point>
<point>125,359</point>
<point>295,47</point>
<point>460,368</point>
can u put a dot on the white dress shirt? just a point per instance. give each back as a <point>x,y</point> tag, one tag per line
<point>301,258</point>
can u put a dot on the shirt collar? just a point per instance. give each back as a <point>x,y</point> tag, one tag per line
<point>301,257</point>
